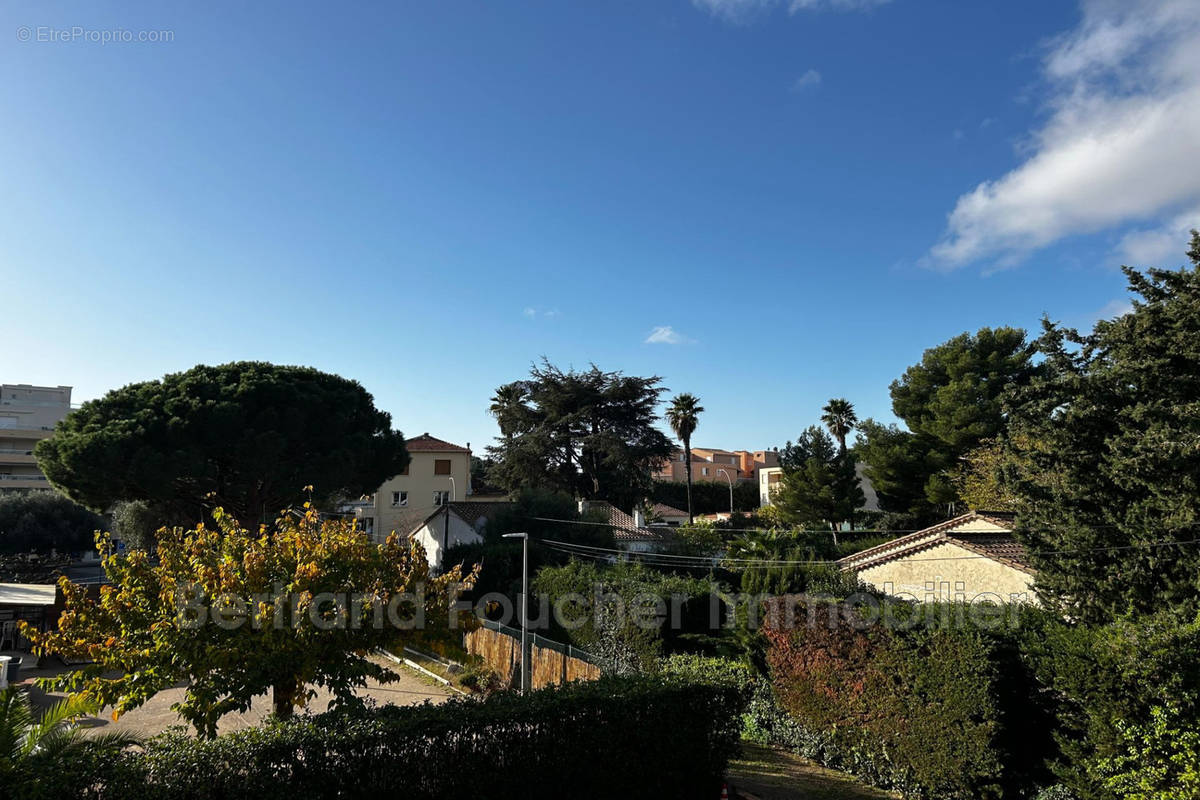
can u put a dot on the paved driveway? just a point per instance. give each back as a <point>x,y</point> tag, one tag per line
<point>156,715</point>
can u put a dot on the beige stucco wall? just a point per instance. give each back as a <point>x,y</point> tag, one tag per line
<point>420,483</point>
<point>963,576</point>
<point>28,414</point>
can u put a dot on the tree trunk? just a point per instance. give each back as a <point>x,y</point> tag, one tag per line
<point>687,468</point>
<point>283,695</point>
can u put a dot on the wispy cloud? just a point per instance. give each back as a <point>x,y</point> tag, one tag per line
<point>533,313</point>
<point>1163,246</point>
<point>1113,308</point>
<point>834,5</point>
<point>809,80</point>
<point>1124,121</point>
<point>744,10</point>
<point>665,334</point>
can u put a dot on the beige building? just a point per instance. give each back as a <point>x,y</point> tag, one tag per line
<point>968,558</point>
<point>28,414</point>
<point>439,473</point>
<point>768,479</point>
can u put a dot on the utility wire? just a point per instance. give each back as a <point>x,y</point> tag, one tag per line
<point>580,549</point>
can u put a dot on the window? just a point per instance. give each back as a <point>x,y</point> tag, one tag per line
<point>705,471</point>
<point>441,466</point>
<point>440,497</point>
<point>399,499</point>
<point>368,525</point>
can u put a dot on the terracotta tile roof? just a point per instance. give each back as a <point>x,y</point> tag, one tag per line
<point>427,443</point>
<point>471,513</point>
<point>624,527</point>
<point>997,545</point>
<point>467,511</point>
<point>664,510</point>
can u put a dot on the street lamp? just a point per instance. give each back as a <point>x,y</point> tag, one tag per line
<point>446,512</point>
<point>526,671</point>
<point>719,472</point>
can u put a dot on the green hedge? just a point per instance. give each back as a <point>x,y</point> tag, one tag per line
<point>934,707</point>
<point>708,497</point>
<point>1126,697</point>
<point>616,737</point>
<point>625,642</point>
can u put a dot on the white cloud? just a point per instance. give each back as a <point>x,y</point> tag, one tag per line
<point>809,80</point>
<point>1113,309</point>
<point>742,10</point>
<point>1120,143</point>
<point>834,5</point>
<point>1164,246</point>
<point>530,312</point>
<point>534,313</point>
<point>665,334</point>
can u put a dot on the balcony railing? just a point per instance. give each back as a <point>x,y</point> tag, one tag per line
<point>23,478</point>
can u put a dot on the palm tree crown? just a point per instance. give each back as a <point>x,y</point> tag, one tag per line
<point>839,417</point>
<point>683,415</point>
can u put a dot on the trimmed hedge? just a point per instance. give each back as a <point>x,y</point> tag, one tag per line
<point>615,737</point>
<point>933,706</point>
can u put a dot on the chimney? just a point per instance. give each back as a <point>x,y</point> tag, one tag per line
<point>583,507</point>
<point>639,518</point>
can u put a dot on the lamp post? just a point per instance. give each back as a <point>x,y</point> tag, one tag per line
<point>526,673</point>
<point>446,513</point>
<point>726,474</point>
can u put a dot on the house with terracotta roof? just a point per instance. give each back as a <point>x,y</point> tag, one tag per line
<point>663,514</point>
<point>968,558</point>
<point>630,531</point>
<point>453,524</point>
<point>439,472</point>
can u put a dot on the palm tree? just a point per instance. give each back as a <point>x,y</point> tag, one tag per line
<point>29,745</point>
<point>505,405</point>
<point>839,417</point>
<point>683,415</point>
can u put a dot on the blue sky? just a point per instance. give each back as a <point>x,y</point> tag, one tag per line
<point>429,196</point>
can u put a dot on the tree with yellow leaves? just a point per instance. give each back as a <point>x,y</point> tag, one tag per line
<point>233,613</point>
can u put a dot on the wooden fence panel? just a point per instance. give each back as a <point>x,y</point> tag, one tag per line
<point>502,653</point>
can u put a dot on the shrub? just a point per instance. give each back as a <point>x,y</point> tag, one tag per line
<point>1126,695</point>
<point>932,706</point>
<point>632,640</point>
<point>626,737</point>
<point>45,521</point>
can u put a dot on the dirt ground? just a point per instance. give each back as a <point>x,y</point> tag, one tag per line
<point>156,715</point>
<point>770,774</point>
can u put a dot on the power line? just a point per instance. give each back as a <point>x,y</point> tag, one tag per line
<point>664,559</point>
<point>825,531</point>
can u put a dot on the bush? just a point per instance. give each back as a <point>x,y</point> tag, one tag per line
<point>45,521</point>
<point>932,706</point>
<point>627,737</point>
<point>624,629</point>
<point>1127,700</point>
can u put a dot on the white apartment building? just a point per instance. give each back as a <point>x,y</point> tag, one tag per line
<point>439,473</point>
<point>28,414</point>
